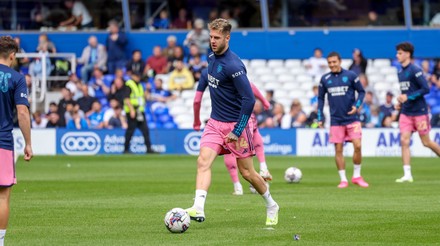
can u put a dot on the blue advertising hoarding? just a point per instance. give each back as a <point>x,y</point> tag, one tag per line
<point>173,141</point>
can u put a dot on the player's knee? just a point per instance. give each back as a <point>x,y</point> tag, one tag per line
<point>246,174</point>
<point>357,147</point>
<point>404,142</point>
<point>426,142</point>
<point>202,163</point>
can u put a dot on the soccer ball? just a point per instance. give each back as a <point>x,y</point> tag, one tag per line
<point>292,175</point>
<point>177,220</point>
<point>254,191</point>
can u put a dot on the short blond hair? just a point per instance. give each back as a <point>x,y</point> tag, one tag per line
<point>221,25</point>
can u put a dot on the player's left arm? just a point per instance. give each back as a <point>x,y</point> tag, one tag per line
<point>243,86</point>
<point>259,96</point>
<point>24,119</point>
<point>361,92</point>
<point>423,84</point>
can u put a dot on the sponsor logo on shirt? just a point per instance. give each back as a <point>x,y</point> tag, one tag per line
<point>24,95</point>
<point>212,81</point>
<point>239,73</point>
<point>404,85</point>
<point>338,90</point>
<point>419,74</point>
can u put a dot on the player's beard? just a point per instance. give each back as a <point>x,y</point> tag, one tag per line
<point>220,48</point>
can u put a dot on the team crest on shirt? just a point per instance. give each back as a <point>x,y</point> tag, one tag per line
<point>345,79</point>
<point>219,68</point>
<point>329,82</point>
<point>406,74</point>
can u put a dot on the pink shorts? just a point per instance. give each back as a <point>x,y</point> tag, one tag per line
<point>347,133</point>
<point>214,138</point>
<point>7,168</point>
<point>411,124</point>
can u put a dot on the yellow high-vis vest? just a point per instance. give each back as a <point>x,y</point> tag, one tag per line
<point>137,98</point>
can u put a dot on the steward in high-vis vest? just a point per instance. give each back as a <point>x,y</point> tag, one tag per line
<point>134,106</point>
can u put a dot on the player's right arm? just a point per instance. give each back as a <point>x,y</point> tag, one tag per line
<point>203,83</point>
<point>321,99</point>
<point>24,119</point>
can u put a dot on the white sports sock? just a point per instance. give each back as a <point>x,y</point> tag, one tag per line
<point>263,166</point>
<point>342,175</point>
<point>2,237</point>
<point>268,198</point>
<point>356,170</point>
<point>199,200</point>
<point>407,171</point>
<point>237,186</point>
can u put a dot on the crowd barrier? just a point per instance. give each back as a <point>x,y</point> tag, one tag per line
<point>300,142</point>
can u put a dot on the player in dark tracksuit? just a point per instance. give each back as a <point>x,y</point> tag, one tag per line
<point>228,130</point>
<point>414,110</point>
<point>341,86</point>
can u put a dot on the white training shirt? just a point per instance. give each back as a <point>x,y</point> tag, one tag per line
<point>79,9</point>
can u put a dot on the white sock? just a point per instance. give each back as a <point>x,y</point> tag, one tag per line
<point>407,171</point>
<point>268,198</point>
<point>356,170</point>
<point>237,186</point>
<point>2,237</point>
<point>199,200</point>
<point>263,166</point>
<point>342,175</point>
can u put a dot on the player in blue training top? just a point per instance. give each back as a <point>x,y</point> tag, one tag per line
<point>13,94</point>
<point>341,86</point>
<point>229,129</point>
<point>414,110</point>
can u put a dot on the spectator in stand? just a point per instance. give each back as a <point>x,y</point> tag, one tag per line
<point>359,64</point>
<point>43,40</point>
<point>62,105</point>
<point>365,110</point>
<point>77,122</point>
<point>264,117</point>
<point>38,15</point>
<point>387,109</point>
<point>19,62</point>
<point>93,56</point>
<point>75,86</point>
<point>269,98</point>
<point>193,52</point>
<point>80,16</point>
<point>436,72</point>
<point>53,108</point>
<point>86,101</point>
<point>72,107</point>
<point>118,119</point>
<point>375,118</point>
<point>226,14</point>
<point>101,85</point>
<point>116,42</point>
<point>38,121</point>
<point>162,22</point>
<point>135,65</point>
<point>110,112</point>
<point>426,71</point>
<point>182,21</point>
<point>314,99</point>
<point>156,64</point>
<point>196,66</point>
<point>159,95</point>
<point>198,36</point>
<point>53,120</point>
<point>36,66</point>
<point>168,51</point>
<point>373,19</point>
<point>118,91</point>
<point>295,118</point>
<point>181,78</point>
<point>316,65</point>
<point>96,117</point>
<point>277,115</point>
<point>177,55</point>
<point>433,100</point>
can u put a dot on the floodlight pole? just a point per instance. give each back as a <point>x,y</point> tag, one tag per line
<point>264,14</point>
<point>408,16</point>
<point>126,14</point>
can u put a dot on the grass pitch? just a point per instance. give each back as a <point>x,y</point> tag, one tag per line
<point>122,200</point>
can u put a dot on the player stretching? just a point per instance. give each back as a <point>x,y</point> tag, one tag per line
<point>414,114</point>
<point>230,160</point>
<point>232,100</point>
<point>13,93</point>
<point>341,85</point>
